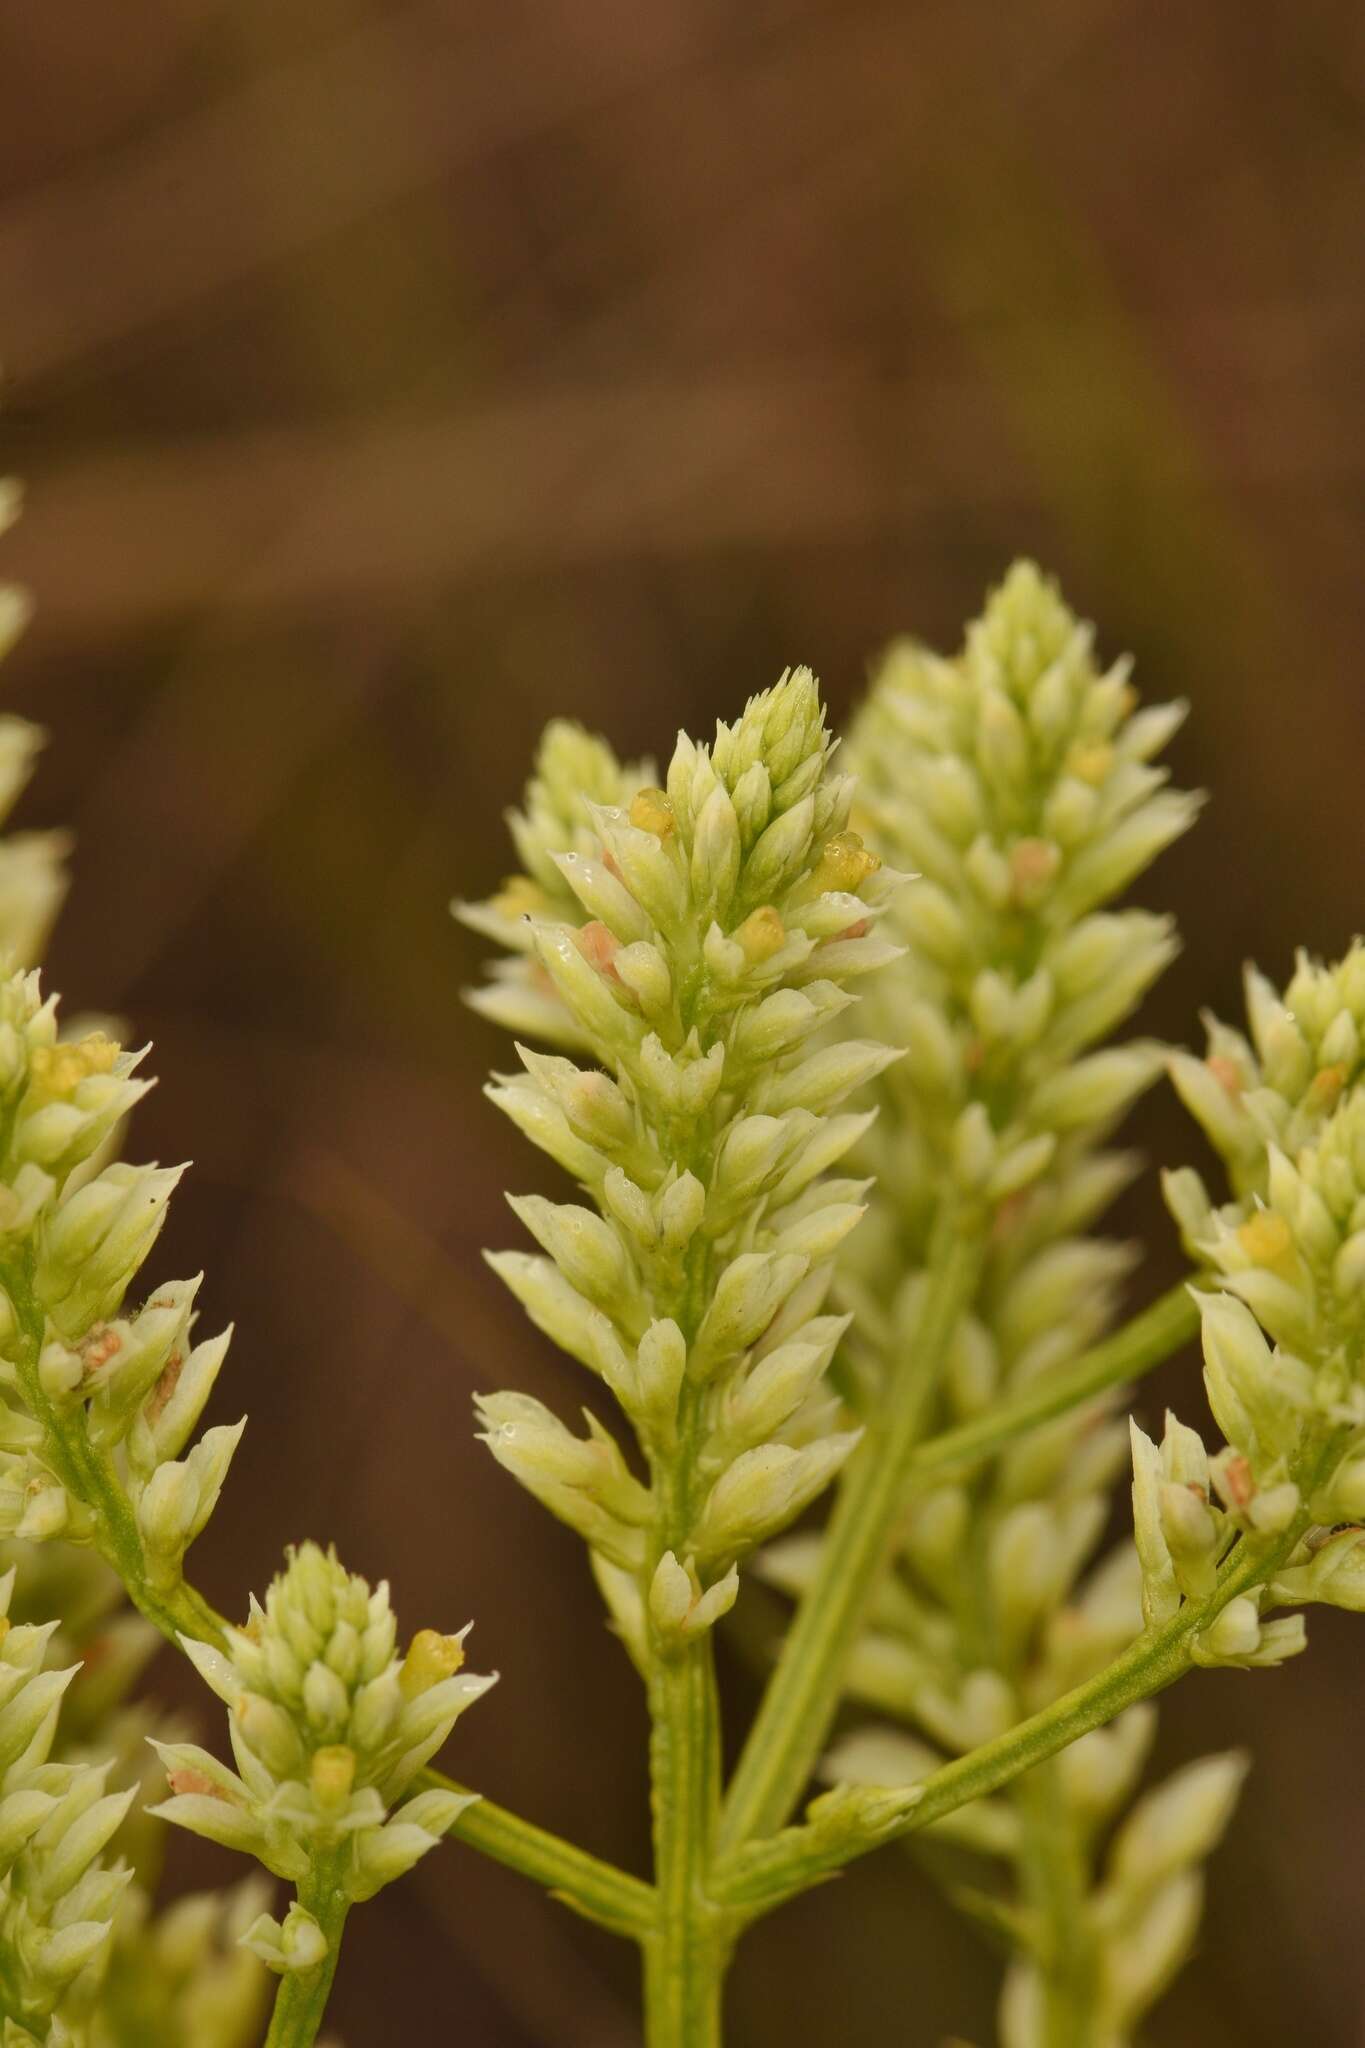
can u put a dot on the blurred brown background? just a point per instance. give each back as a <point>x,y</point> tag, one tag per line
<point>389,374</point>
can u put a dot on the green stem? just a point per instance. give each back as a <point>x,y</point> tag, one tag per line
<point>798,1707</point>
<point>1056,1877</point>
<point>1135,1349</point>
<point>686,1953</point>
<point>598,1890</point>
<point>301,2000</point>
<point>764,1873</point>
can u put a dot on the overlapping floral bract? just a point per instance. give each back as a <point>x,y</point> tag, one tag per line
<point>714,928</point>
<point>1283,1316</point>
<point>329,1727</point>
<point>1019,779</point>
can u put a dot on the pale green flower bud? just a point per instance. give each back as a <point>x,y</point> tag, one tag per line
<point>1140,1962</point>
<point>815,1234</point>
<point>172,1410</point>
<point>1108,864</point>
<point>385,1853</point>
<point>715,853</point>
<point>932,922</point>
<point>585,1482</point>
<point>1098,1089</point>
<point>1238,1636</point>
<point>822,1080</point>
<point>681,1208</point>
<point>756,1407</point>
<point>764,1490</point>
<point>553,1305</point>
<point>587,986</point>
<point>860,1814</point>
<point>747,1296</point>
<point>603,896</point>
<point>299,1944</point>
<point>593,1107</point>
<point>683,1086</point>
<point>1192,1539</point>
<point>1160,1591</point>
<point>1179,1824</point>
<point>532,1444</point>
<point>785,1020</point>
<point>1334,1574</point>
<point>46,1511</point>
<point>586,1250</point>
<point>643,969</point>
<point>660,1363</point>
<point>752,1153</point>
<point>1259,1400</point>
<point>779,855</point>
<point>651,864</point>
<point>96,1240</point>
<point>630,1206</point>
<point>679,1608</point>
<point>974,1151</point>
<point>752,796</point>
<point>538,1117</point>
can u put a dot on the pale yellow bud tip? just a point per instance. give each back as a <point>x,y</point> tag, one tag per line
<point>651,811</point>
<point>1090,761</point>
<point>761,935</point>
<point>56,1071</point>
<point>519,896</point>
<point>431,1657</point>
<point>1266,1238</point>
<point>332,1774</point>
<point>844,865</point>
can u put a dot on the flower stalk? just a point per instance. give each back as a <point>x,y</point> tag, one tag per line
<point>792,1724</point>
<point>766,1872</point>
<point>301,2000</point>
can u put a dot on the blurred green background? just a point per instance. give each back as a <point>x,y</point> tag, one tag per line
<point>390,374</point>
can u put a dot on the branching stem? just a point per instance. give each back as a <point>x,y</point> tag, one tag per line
<point>767,1872</point>
<point>799,1705</point>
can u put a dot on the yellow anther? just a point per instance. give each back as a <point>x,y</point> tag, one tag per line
<point>431,1657</point>
<point>332,1775</point>
<point>519,896</point>
<point>1090,761</point>
<point>761,935</point>
<point>56,1071</point>
<point>1266,1238</point>
<point>651,811</point>
<point>844,865</point>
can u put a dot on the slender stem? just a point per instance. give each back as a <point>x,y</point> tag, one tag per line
<point>1135,1349</point>
<point>686,1953</point>
<point>763,1873</point>
<point>598,1890</point>
<point>1056,1876</point>
<point>798,1707</point>
<point>687,1950</point>
<point>301,2000</point>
